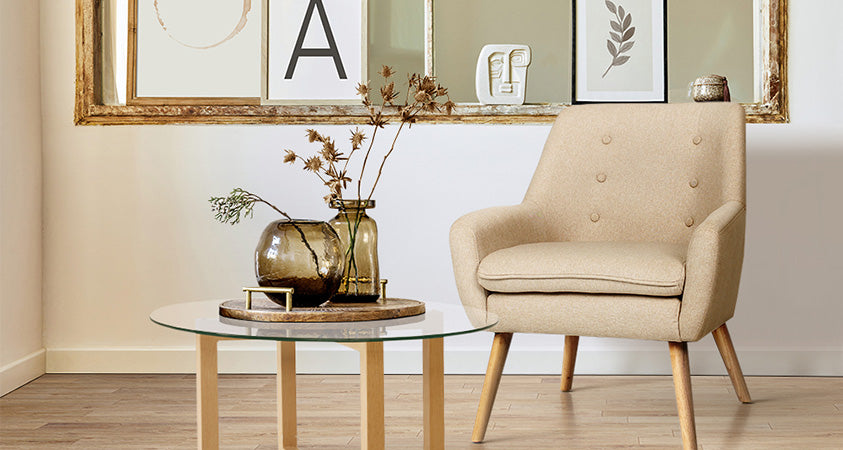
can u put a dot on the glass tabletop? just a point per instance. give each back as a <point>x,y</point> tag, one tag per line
<point>438,320</point>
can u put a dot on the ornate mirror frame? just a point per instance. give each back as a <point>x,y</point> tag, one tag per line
<point>90,110</point>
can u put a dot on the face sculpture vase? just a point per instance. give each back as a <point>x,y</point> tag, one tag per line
<point>501,77</point>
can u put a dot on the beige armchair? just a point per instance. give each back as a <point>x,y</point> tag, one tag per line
<point>632,227</point>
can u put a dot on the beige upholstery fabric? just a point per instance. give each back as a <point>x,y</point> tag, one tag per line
<point>639,268</point>
<point>656,173</point>
<point>626,316</point>
<point>655,153</point>
<point>482,232</point>
<point>713,271</point>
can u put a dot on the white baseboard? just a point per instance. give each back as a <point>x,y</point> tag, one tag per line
<point>17,373</point>
<point>253,358</point>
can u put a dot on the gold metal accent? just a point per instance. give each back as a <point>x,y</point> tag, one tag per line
<point>359,280</point>
<point>272,290</point>
<point>383,290</point>
<point>265,310</point>
<point>344,205</point>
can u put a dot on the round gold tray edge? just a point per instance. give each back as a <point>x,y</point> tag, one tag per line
<point>263,310</point>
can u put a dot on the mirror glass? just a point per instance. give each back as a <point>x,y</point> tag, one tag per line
<point>396,37</point>
<point>711,37</point>
<point>743,40</point>
<point>463,27</point>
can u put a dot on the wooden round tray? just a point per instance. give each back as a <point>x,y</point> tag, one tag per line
<point>265,310</point>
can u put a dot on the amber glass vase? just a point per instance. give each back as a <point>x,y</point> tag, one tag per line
<point>359,236</point>
<point>305,255</point>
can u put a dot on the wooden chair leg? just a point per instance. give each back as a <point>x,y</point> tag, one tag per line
<point>730,359</point>
<point>684,397</point>
<point>569,358</point>
<point>497,359</point>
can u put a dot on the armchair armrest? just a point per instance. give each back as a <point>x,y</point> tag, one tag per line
<point>713,271</point>
<point>482,232</point>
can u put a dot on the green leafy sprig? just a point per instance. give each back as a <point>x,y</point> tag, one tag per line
<point>241,203</point>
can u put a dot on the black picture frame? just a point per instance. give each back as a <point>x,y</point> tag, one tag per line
<point>616,34</point>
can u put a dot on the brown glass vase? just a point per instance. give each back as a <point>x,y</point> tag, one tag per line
<point>359,236</point>
<point>305,255</point>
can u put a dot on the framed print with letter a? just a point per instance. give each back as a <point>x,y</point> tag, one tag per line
<point>314,51</point>
<point>620,51</point>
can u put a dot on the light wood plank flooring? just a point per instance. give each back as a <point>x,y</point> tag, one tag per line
<point>158,411</point>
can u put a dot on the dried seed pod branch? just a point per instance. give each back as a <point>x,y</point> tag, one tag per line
<point>422,96</point>
<point>426,95</point>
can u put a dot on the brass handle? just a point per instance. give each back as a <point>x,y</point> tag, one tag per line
<point>383,289</point>
<point>272,290</point>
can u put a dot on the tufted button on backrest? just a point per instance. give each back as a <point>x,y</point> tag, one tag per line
<point>657,151</point>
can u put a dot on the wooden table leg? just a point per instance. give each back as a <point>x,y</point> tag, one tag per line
<point>372,434</point>
<point>434,394</point>
<point>286,389</point>
<point>207,404</point>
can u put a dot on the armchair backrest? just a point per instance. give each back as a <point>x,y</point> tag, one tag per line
<point>639,172</point>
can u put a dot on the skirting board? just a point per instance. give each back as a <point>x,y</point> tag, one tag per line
<point>17,373</point>
<point>340,360</point>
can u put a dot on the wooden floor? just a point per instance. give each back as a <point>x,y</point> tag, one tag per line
<point>158,411</point>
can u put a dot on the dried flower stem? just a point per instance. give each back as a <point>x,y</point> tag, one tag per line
<point>365,160</point>
<point>423,95</point>
<point>383,162</point>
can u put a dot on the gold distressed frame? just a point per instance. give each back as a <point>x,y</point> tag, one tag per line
<point>90,110</point>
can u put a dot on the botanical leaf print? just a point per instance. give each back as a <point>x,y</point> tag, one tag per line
<point>620,35</point>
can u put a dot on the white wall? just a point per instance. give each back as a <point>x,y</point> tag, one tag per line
<point>128,229</point>
<point>22,356</point>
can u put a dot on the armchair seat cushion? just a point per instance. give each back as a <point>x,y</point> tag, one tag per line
<point>636,268</point>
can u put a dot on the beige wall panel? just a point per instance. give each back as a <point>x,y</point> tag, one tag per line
<point>21,356</point>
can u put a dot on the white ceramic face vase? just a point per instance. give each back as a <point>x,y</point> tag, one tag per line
<point>502,74</point>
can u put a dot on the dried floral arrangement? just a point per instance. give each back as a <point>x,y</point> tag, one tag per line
<point>424,95</point>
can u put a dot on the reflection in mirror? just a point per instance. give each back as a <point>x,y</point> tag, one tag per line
<point>462,28</point>
<point>711,37</point>
<point>114,20</point>
<point>715,36</point>
<point>396,37</point>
